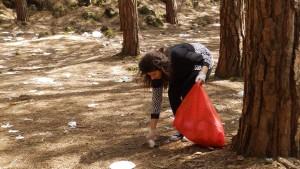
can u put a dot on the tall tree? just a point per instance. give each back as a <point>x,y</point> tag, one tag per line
<point>268,125</point>
<point>129,20</point>
<point>230,59</point>
<point>171,11</point>
<point>21,9</point>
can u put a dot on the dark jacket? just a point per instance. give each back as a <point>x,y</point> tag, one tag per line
<point>183,60</point>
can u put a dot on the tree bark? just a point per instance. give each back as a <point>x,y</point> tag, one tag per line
<point>130,30</point>
<point>230,59</point>
<point>268,125</point>
<point>21,10</point>
<point>171,11</point>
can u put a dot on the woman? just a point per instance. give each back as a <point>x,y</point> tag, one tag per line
<point>178,68</point>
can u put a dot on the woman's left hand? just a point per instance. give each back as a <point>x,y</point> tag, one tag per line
<point>200,77</point>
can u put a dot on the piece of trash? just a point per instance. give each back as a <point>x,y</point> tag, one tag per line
<point>19,137</point>
<point>122,165</point>
<point>7,125</point>
<point>184,35</point>
<point>95,83</point>
<point>241,94</point>
<point>269,160</point>
<point>124,79</point>
<point>33,91</point>
<point>47,53</point>
<point>27,119</point>
<point>72,124</point>
<point>85,34</point>
<point>67,75</point>
<point>13,131</point>
<point>92,105</point>
<point>151,143</point>
<point>97,34</point>
<point>43,80</point>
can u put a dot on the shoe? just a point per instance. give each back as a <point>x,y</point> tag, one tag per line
<point>176,137</point>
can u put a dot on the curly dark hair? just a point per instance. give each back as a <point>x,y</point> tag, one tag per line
<point>154,61</point>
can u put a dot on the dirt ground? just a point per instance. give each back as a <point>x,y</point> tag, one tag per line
<point>46,82</point>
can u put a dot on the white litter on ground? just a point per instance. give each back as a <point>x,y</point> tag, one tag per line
<point>19,137</point>
<point>67,75</point>
<point>13,131</point>
<point>184,35</point>
<point>92,105</point>
<point>122,165</point>
<point>43,80</point>
<point>27,119</point>
<point>47,53</point>
<point>7,125</point>
<point>97,34</point>
<point>72,124</point>
<point>124,79</point>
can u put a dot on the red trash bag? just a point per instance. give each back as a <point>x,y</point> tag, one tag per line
<point>198,120</point>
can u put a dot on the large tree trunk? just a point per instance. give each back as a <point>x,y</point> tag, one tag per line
<point>171,11</point>
<point>268,126</point>
<point>21,9</point>
<point>130,30</point>
<point>230,60</point>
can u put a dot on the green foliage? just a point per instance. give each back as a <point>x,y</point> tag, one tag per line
<point>153,21</point>
<point>144,10</point>
<point>110,12</point>
<point>59,11</point>
<point>91,15</point>
<point>108,32</point>
<point>98,2</point>
<point>43,34</point>
<point>69,29</point>
<point>132,69</point>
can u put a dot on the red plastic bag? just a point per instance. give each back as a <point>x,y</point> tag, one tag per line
<point>198,120</point>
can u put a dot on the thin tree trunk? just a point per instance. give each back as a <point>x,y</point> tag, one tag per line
<point>171,11</point>
<point>21,10</point>
<point>130,29</point>
<point>230,60</point>
<point>268,125</point>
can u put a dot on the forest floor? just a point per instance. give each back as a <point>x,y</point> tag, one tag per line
<point>49,81</point>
